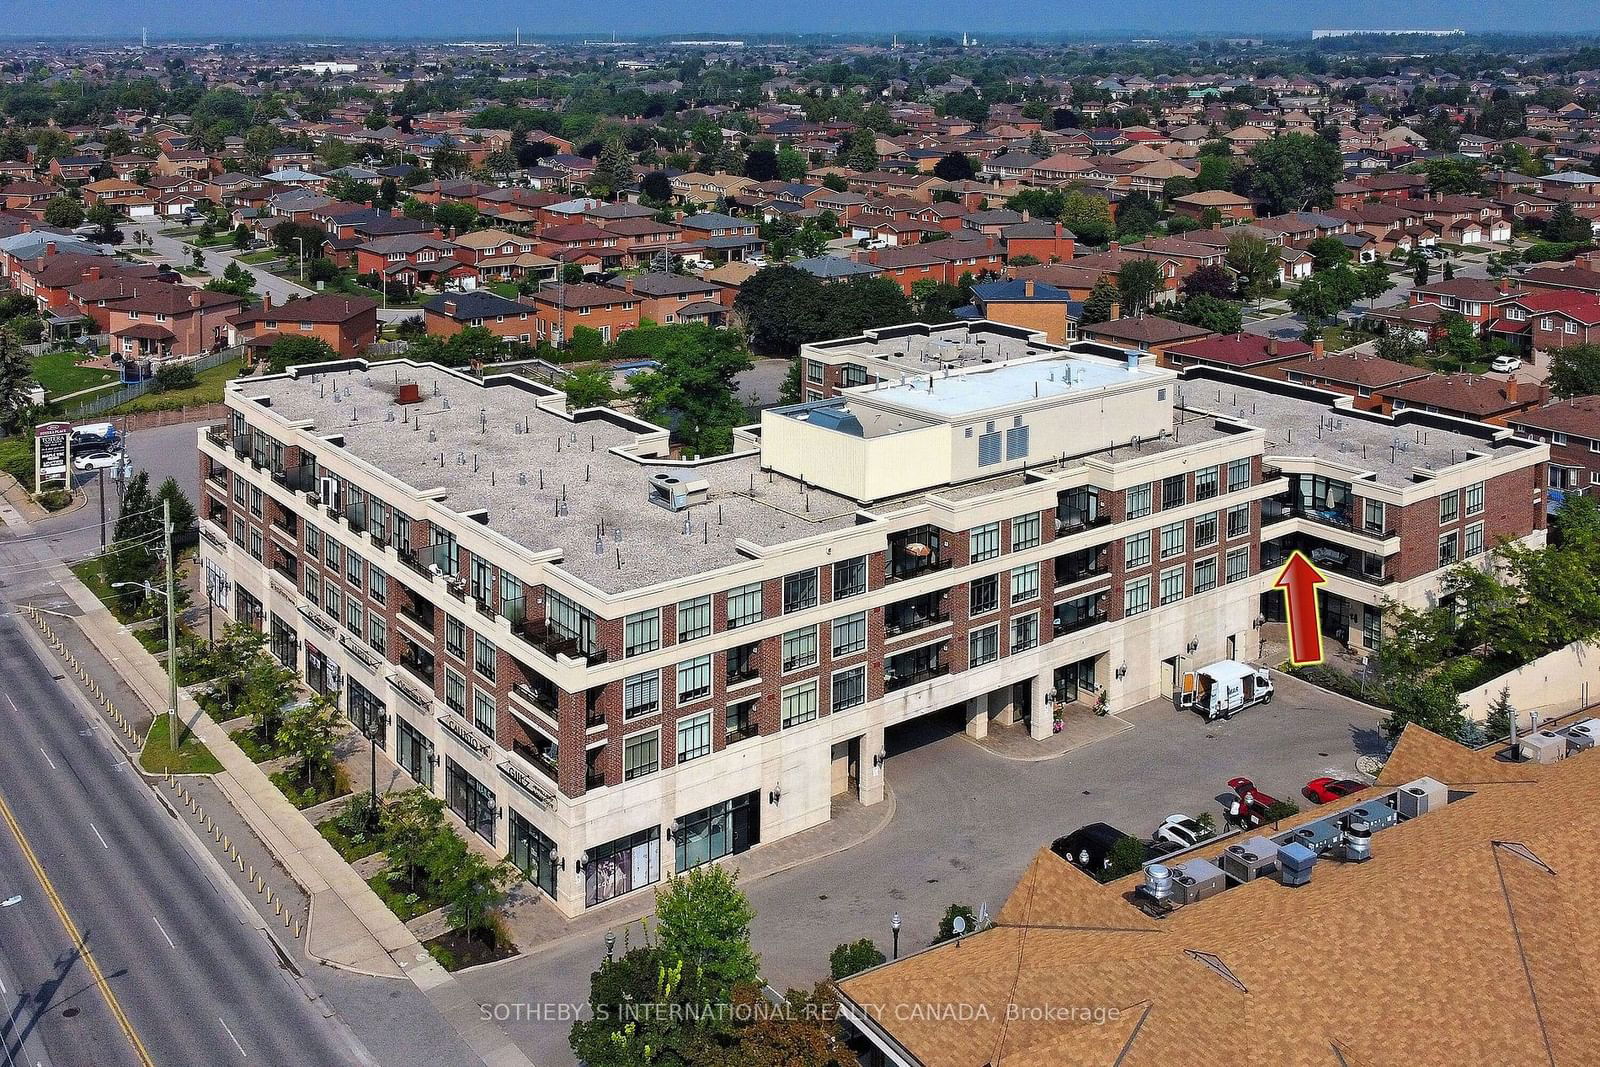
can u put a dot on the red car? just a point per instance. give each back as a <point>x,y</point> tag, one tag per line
<point>1327,790</point>
<point>1253,803</point>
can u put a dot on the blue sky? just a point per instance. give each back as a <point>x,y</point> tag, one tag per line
<point>476,17</point>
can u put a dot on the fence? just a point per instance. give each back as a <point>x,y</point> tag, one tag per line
<point>1552,685</point>
<point>111,398</point>
<point>388,348</point>
<point>101,340</point>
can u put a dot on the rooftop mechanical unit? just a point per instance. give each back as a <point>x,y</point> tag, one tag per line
<point>1582,735</point>
<point>1544,747</point>
<point>1420,797</point>
<point>1294,864</point>
<point>1377,814</point>
<point>1319,837</point>
<point>676,493</point>
<point>1248,860</point>
<point>1196,879</point>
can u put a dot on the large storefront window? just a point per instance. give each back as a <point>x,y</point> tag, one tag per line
<point>622,866</point>
<point>284,645</point>
<point>366,713</point>
<point>414,752</point>
<point>725,829</point>
<point>533,853</point>
<point>470,799</point>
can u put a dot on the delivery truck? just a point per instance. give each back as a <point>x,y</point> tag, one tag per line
<point>1224,688</point>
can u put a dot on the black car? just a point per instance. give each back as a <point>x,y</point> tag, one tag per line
<point>1088,848</point>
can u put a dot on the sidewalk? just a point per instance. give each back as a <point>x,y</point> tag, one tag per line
<point>349,927</point>
<point>1079,727</point>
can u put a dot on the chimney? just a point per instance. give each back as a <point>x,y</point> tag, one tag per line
<point>1116,310</point>
<point>1505,285</point>
<point>1316,348</point>
<point>1024,214</point>
<point>49,248</point>
<point>1216,226</point>
<point>266,301</point>
<point>410,393</point>
<point>1027,288</point>
<point>195,299</point>
<point>1511,389</point>
<point>1115,246</point>
<point>449,307</point>
<point>1272,346</point>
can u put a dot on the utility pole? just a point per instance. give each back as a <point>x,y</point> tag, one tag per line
<point>100,487</point>
<point>172,630</point>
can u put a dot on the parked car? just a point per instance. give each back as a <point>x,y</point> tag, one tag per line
<point>1327,790</point>
<point>1182,831</point>
<point>94,435</point>
<point>94,461</point>
<point>1505,364</point>
<point>1253,803</point>
<point>1088,848</point>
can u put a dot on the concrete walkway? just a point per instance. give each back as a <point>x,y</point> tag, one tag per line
<point>1079,727</point>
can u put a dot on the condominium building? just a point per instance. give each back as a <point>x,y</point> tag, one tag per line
<point>614,664</point>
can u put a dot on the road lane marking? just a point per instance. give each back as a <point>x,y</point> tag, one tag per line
<point>72,932</point>
<point>236,1044</point>
<point>47,758</point>
<point>96,830</point>
<point>163,930</point>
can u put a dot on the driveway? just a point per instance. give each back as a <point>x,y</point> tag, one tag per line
<point>967,823</point>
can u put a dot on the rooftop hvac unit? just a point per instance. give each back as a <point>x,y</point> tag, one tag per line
<point>1420,797</point>
<point>1583,734</point>
<point>1544,747</point>
<point>1319,837</point>
<point>1358,841</point>
<point>1157,883</point>
<point>1294,864</point>
<point>1377,814</point>
<point>674,493</point>
<point>1250,859</point>
<point>1197,879</point>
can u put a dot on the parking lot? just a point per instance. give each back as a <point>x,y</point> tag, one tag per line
<point>966,824</point>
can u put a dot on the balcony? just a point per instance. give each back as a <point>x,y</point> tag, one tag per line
<point>897,677</point>
<point>356,516</point>
<point>1083,565</point>
<point>419,612</point>
<point>1073,521</point>
<point>1072,622</point>
<point>554,642</point>
<point>419,665</point>
<point>1339,517</point>
<point>286,521</point>
<point>540,698</point>
<point>741,670</point>
<point>908,616</point>
<point>298,479</point>
<point>288,567</point>
<point>1330,559</point>
<point>219,435</point>
<point>904,568</point>
<point>538,760</point>
<point>217,475</point>
<point>914,553</point>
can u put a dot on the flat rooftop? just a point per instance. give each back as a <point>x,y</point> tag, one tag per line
<point>1001,386</point>
<point>923,350</point>
<point>481,462</point>
<point>1306,427</point>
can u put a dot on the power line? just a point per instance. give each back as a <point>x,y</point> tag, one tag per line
<point>74,529</point>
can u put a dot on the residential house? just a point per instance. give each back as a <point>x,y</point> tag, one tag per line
<point>561,309</point>
<point>674,298</point>
<point>448,314</point>
<point>1469,396</point>
<point>347,324</point>
<point>160,321</point>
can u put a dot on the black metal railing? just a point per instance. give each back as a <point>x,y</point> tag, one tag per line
<point>903,568</point>
<point>537,760</point>
<point>556,642</point>
<point>420,667</point>
<point>894,678</point>
<point>912,619</point>
<point>419,612</point>
<point>1073,521</point>
<point>1073,623</point>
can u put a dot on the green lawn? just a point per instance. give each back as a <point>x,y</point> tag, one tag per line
<point>59,373</point>
<point>265,255</point>
<point>91,573</point>
<point>508,290</point>
<point>16,459</point>
<point>192,757</point>
<point>206,390</point>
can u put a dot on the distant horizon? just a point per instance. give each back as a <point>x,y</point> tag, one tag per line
<point>1007,19</point>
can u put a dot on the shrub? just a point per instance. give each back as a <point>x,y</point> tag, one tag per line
<point>173,376</point>
<point>1280,809</point>
<point>853,957</point>
<point>1126,856</point>
<point>947,925</point>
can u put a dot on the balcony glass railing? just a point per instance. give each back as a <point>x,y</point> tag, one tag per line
<point>896,677</point>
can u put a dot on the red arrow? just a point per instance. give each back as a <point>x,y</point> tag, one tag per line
<point>1299,580</point>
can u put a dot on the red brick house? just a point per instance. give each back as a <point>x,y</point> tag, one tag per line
<point>160,320</point>
<point>1548,319</point>
<point>1572,430</point>
<point>348,324</point>
<point>560,309</point>
<point>449,313</point>
<point>1469,396</point>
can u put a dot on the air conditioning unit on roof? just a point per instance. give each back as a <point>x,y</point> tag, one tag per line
<point>1420,797</point>
<point>1248,860</point>
<point>1581,735</point>
<point>1196,879</point>
<point>1544,747</point>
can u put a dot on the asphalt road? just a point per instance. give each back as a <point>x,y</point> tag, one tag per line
<point>185,958</point>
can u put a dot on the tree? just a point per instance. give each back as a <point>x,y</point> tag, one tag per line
<point>936,301</point>
<point>1102,299</point>
<point>1137,216</point>
<point>231,656</point>
<point>589,387</point>
<point>1498,721</point>
<point>241,237</point>
<point>703,922</point>
<point>1374,278</point>
<point>613,171</point>
<point>296,239</point>
<point>615,1032</point>
<point>308,730</point>
<point>262,683</point>
<point>455,215</point>
<point>1213,281</point>
<point>1255,263</point>
<point>1125,857</point>
<point>861,150</point>
<point>692,390</point>
<point>1138,281</point>
<point>1419,270</point>
<point>1575,371</point>
<point>1454,176</point>
<point>1218,316</point>
<point>947,924</point>
<point>448,161</point>
<point>1328,253</point>
<point>1088,216</point>
<point>1458,341</point>
<point>865,303</point>
<point>63,211</point>
<point>473,888</point>
<point>1316,300</point>
<point>656,187</point>
<point>954,167</point>
<point>853,957</point>
<point>16,383</point>
<point>761,163</point>
<point>791,164</point>
<point>1402,346</point>
<point>411,822</point>
<point>1294,172</point>
<point>103,216</point>
<point>182,513</point>
<point>288,351</point>
<point>1563,226</point>
<point>783,307</point>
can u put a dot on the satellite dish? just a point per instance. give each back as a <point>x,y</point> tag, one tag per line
<point>959,925</point>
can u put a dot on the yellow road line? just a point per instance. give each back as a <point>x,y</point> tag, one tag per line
<point>77,938</point>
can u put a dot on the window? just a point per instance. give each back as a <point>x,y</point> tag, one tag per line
<point>985,594</point>
<point>1172,585</point>
<point>799,703</point>
<point>641,632</point>
<point>1373,515</point>
<point>331,552</point>
<point>641,695</point>
<point>1238,521</point>
<point>1449,548</point>
<point>622,866</point>
<point>813,371</point>
<point>694,737</point>
<point>850,578</point>
<point>378,586</point>
<point>1173,491</point>
<point>849,634</point>
<point>354,617</point>
<point>313,542</point>
<point>1205,575</point>
<point>799,648</point>
<point>641,755</point>
<point>849,689</point>
<point>1205,530</point>
<point>983,646</point>
<point>1205,483</point>
<point>1475,499</point>
<point>1238,475</point>
<point>255,501</point>
<point>378,634</point>
<point>331,600</point>
<point>744,605</point>
<point>799,591</point>
<point>1449,507</point>
<point>1136,597</point>
<point>256,545</point>
<point>694,619</point>
<point>313,586</point>
<point>455,637</point>
<point>1024,532</point>
<point>1136,551</point>
<point>1024,583</point>
<point>1171,540</point>
<point>1139,501</point>
<point>1472,544</point>
<point>484,656</point>
<point>985,542</point>
<point>694,679</point>
<point>1024,632</point>
<point>1238,563</point>
<point>455,692</point>
<point>483,714</point>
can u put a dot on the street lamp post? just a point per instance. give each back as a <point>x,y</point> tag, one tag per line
<point>301,241</point>
<point>172,623</point>
<point>894,926</point>
<point>377,722</point>
<point>611,943</point>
